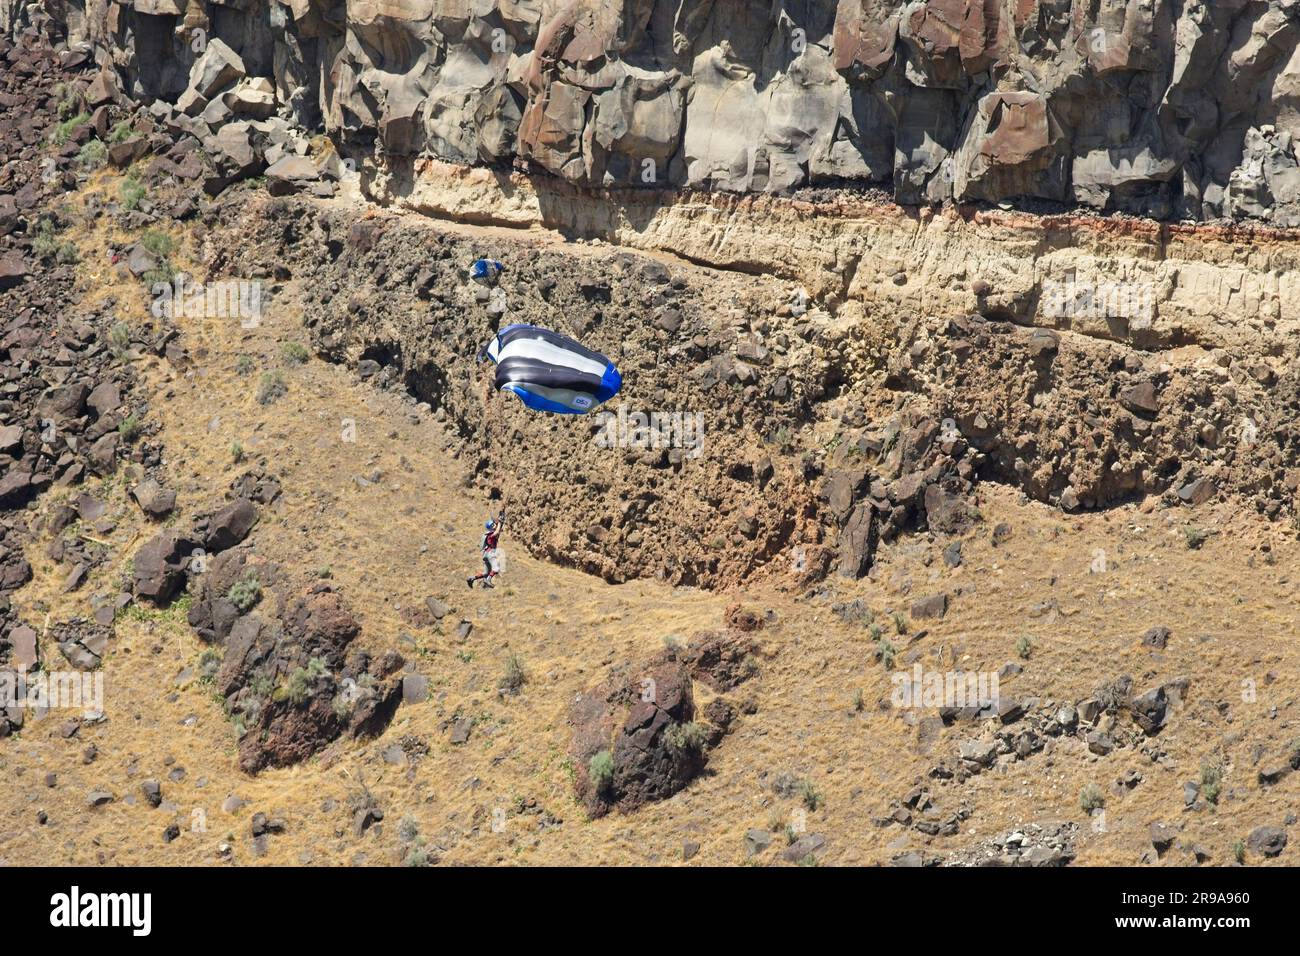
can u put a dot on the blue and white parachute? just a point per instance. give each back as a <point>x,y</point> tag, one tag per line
<point>551,372</point>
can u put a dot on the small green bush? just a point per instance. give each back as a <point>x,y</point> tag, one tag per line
<point>887,652</point>
<point>209,664</point>
<point>158,243</point>
<point>811,797</point>
<point>45,242</point>
<point>1024,647</point>
<point>688,737</point>
<point>270,388</point>
<point>1091,798</point>
<point>129,428</point>
<point>131,193</point>
<point>93,155</point>
<point>515,677</point>
<point>67,100</point>
<point>163,274</point>
<point>119,338</point>
<point>63,132</point>
<point>418,857</point>
<point>600,769</point>
<point>246,592</point>
<point>295,353</point>
<point>302,680</point>
<point>261,686</point>
<point>1211,780</point>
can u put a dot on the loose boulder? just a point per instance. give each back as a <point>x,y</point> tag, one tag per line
<point>159,570</point>
<point>231,525</point>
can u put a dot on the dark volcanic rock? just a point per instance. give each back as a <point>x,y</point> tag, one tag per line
<point>1157,637</point>
<point>933,606</point>
<point>294,684</point>
<point>720,659</point>
<point>634,738</point>
<point>1267,840</point>
<point>231,525</point>
<point>857,542</point>
<point>160,565</point>
<point>1150,710</point>
<point>1140,398</point>
<point>153,499</point>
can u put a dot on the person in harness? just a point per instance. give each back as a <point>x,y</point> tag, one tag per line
<point>491,556</point>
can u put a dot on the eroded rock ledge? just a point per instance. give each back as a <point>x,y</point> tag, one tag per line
<point>1175,110</point>
<point>1213,286</point>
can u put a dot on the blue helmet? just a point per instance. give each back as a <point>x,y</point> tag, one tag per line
<point>490,525</point>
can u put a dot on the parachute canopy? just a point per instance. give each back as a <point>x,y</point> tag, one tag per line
<point>485,270</point>
<point>551,372</point>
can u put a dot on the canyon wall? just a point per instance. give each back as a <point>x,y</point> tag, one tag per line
<point>1173,109</point>
<point>1087,358</point>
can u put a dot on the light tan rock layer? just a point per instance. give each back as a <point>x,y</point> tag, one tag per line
<point>1155,286</point>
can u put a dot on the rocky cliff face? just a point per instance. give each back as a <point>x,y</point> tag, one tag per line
<point>1175,109</point>
<point>861,366</point>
